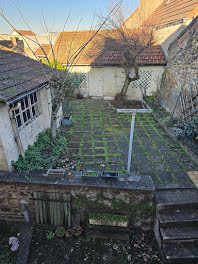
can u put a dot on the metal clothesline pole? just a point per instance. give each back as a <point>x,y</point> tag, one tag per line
<point>134,112</point>
<point>131,143</point>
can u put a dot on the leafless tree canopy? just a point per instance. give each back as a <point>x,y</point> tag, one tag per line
<point>129,44</point>
<point>58,83</point>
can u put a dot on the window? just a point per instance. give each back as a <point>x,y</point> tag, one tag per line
<point>25,109</point>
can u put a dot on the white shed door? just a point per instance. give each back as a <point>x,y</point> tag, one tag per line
<point>96,82</point>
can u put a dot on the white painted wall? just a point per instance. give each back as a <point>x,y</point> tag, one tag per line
<point>108,80</point>
<point>29,132</point>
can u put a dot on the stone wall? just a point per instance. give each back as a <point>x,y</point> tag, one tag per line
<point>85,198</point>
<point>182,67</point>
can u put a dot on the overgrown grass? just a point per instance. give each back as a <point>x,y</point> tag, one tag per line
<point>42,154</point>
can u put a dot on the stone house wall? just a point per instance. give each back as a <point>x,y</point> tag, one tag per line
<point>27,133</point>
<point>107,81</point>
<point>182,67</point>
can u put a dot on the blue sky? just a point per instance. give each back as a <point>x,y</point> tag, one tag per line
<point>56,11</point>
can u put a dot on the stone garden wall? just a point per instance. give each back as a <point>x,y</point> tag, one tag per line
<point>182,67</point>
<point>85,198</point>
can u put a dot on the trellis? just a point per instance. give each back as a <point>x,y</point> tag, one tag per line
<point>144,81</point>
<point>84,84</point>
<point>188,100</point>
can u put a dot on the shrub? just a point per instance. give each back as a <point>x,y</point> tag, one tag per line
<point>41,154</point>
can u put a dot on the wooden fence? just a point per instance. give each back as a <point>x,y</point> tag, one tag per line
<point>53,208</point>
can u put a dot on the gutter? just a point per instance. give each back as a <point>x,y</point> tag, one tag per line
<point>25,94</point>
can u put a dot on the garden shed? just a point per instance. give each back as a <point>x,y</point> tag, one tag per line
<point>101,64</point>
<point>25,104</point>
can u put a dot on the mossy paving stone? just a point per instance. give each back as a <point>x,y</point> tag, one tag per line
<point>145,168</point>
<point>181,175</point>
<point>159,167</point>
<point>98,138</point>
<point>113,159</point>
<point>86,151</point>
<point>110,130</point>
<point>86,159</point>
<point>99,151</point>
<point>99,159</point>
<point>99,144</point>
<point>166,177</point>
<point>112,151</point>
<point>174,165</point>
<point>115,167</point>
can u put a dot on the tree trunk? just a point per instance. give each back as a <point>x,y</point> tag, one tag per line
<point>128,79</point>
<point>54,113</point>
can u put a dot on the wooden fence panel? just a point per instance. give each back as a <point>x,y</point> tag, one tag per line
<point>53,208</point>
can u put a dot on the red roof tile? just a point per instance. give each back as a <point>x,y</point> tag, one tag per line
<point>46,48</point>
<point>102,50</point>
<point>171,11</point>
<point>24,32</point>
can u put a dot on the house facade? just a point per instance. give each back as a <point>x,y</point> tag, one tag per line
<point>25,104</point>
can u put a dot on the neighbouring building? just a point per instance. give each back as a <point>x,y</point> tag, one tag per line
<point>100,65</point>
<point>43,51</point>
<point>25,104</point>
<point>30,42</point>
<point>179,87</point>
<point>168,17</point>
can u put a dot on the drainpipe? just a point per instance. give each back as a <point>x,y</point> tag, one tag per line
<point>16,134</point>
<point>24,206</point>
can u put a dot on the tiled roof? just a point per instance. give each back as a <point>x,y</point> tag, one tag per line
<point>171,11</point>
<point>47,49</point>
<point>20,74</point>
<point>25,32</point>
<point>102,50</point>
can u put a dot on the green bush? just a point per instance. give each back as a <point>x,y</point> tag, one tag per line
<point>41,154</point>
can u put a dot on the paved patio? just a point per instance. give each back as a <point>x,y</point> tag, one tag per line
<point>99,140</point>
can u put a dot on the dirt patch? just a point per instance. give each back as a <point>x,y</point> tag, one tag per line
<point>127,104</point>
<point>141,248</point>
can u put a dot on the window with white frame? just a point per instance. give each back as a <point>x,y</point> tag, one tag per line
<point>25,109</point>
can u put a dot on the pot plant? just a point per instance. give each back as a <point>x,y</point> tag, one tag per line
<point>68,233</point>
<point>60,231</point>
<point>67,109</point>
<point>109,175</point>
<point>77,231</point>
<point>90,175</point>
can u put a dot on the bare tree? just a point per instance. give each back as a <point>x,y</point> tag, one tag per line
<point>59,81</point>
<point>128,44</point>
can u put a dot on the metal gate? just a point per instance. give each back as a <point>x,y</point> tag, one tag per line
<point>53,208</point>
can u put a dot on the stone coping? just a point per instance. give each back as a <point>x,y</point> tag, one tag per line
<point>127,182</point>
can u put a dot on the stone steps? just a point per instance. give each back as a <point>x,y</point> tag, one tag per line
<point>176,198</point>
<point>176,226</point>
<point>179,233</point>
<point>178,217</point>
<point>183,252</point>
